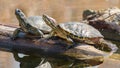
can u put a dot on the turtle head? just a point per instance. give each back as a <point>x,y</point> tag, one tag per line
<point>49,21</point>
<point>88,13</point>
<point>21,18</point>
<point>19,14</point>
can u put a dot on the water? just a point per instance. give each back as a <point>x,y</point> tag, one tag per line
<point>33,64</point>
<point>7,60</point>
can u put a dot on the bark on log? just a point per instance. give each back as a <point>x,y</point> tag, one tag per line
<point>54,47</point>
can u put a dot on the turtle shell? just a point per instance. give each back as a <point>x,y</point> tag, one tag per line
<point>81,30</point>
<point>38,22</point>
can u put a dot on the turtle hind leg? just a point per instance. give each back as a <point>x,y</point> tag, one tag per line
<point>37,33</point>
<point>69,40</point>
<point>16,33</point>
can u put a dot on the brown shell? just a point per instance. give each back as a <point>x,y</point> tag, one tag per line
<point>81,29</point>
<point>38,22</point>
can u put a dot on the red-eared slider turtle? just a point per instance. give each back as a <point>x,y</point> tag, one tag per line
<point>32,25</point>
<point>76,31</point>
<point>72,30</point>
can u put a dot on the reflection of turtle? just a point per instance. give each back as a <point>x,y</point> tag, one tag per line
<point>76,31</point>
<point>31,25</point>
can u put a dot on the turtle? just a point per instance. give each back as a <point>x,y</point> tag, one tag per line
<point>88,14</point>
<point>34,25</point>
<point>72,31</point>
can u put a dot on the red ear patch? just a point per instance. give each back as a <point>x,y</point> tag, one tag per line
<point>51,19</point>
<point>95,40</point>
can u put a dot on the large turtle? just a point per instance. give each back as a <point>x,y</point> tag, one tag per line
<point>33,25</point>
<point>77,31</point>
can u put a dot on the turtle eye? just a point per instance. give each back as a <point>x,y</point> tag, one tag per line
<point>18,11</point>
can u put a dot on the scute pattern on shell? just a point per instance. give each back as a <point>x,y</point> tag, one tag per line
<point>38,22</point>
<point>80,29</point>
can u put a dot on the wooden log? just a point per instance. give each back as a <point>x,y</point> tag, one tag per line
<point>49,47</point>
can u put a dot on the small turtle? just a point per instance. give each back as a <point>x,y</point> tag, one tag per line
<point>32,25</point>
<point>88,14</point>
<point>76,31</point>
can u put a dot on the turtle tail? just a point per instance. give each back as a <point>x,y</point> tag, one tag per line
<point>108,46</point>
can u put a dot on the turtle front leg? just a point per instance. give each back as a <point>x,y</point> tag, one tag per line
<point>16,33</point>
<point>37,33</point>
<point>40,33</point>
<point>70,42</point>
<point>52,33</point>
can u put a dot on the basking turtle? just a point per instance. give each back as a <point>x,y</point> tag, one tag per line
<point>89,14</point>
<point>72,30</point>
<point>32,25</point>
<point>76,31</point>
